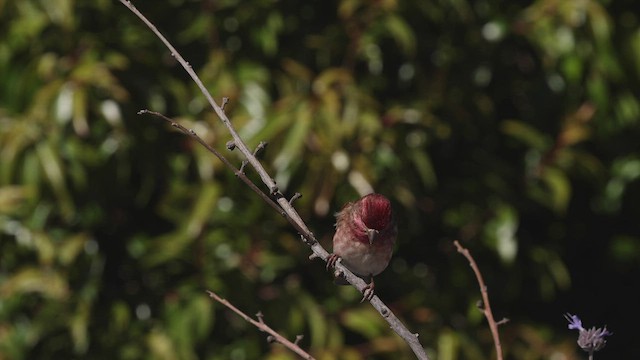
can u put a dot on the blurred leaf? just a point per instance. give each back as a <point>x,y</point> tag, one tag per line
<point>556,191</point>
<point>525,133</point>
<point>364,321</point>
<point>80,124</point>
<point>160,345</point>
<point>553,272</point>
<point>202,210</point>
<point>268,36</point>
<point>599,20</point>
<point>79,327</point>
<point>316,320</point>
<point>448,345</point>
<point>44,246</point>
<point>71,248</point>
<point>120,315</point>
<point>295,139</point>
<point>53,169</point>
<point>49,283</point>
<point>402,33</point>
<point>625,249</point>
<point>12,198</point>
<point>425,169</point>
<point>501,232</point>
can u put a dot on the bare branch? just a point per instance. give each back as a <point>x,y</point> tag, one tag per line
<point>285,207</point>
<point>484,304</point>
<point>260,324</point>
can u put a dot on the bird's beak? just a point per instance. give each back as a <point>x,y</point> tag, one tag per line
<point>372,234</point>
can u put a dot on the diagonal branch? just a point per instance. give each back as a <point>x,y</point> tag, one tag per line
<point>286,208</point>
<point>260,324</point>
<point>486,306</point>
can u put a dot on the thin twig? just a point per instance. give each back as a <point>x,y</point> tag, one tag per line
<point>486,306</point>
<point>215,152</point>
<point>260,324</point>
<point>286,208</point>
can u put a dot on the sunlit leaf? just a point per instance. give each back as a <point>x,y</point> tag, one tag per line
<point>402,33</point>
<point>364,321</point>
<point>501,232</point>
<point>49,283</point>
<point>71,248</point>
<point>12,198</point>
<point>160,345</point>
<point>53,168</point>
<point>316,320</point>
<point>80,327</point>
<point>448,345</point>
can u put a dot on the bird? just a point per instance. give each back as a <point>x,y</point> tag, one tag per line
<point>365,234</point>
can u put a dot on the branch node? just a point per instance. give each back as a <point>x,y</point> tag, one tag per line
<point>273,190</point>
<point>295,197</point>
<point>260,317</point>
<point>231,145</point>
<point>308,240</point>
<point>480,305</point>
<point>192,132</point>
<point>298,339</point>
<point>271,339</point>
<point>225,101</point>
<point>244,163</point>
<point>338,273</point>
<point>261,146</point>
<point>313,256</point>
<point>503,321</point>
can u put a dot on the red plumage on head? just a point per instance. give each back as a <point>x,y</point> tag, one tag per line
<point>375,211</point>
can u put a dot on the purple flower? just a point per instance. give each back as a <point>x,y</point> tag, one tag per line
<point>589,340</point>
<point>574,322</point>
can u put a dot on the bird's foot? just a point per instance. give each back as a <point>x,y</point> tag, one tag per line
<point>367,293</point>
<point>332,260</point>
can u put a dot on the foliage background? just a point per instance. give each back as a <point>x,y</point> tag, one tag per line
<point>510,126</point>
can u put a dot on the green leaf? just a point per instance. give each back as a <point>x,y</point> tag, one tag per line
<point>53,169</point>
<point>71,248</point>
<point>47,282</point>
<point>448,345</point>
<point>402,33</point>
<point>364,321</point>
<point>525,133</point>
<point>559,189</point>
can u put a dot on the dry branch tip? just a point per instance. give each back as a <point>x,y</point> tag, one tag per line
<point>243,165</point>
<point>260,148</point>
<point>295,197</point>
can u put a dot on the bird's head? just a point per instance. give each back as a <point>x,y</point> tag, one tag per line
<point>373,214</point>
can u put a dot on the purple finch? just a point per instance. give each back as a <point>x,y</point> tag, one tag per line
<point>365,233</point>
